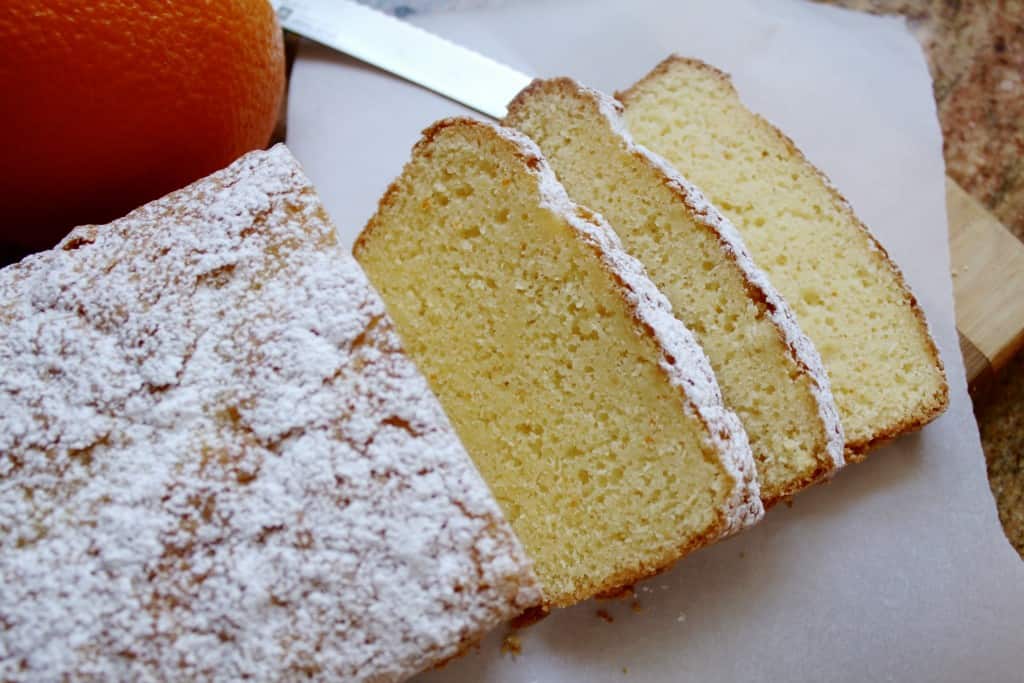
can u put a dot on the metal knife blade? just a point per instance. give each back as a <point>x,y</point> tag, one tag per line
<point>405,50</point>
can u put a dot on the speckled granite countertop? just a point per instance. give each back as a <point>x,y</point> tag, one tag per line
<point>976,52</point>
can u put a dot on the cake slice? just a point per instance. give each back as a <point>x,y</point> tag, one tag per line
<point>588,408</point>
<point>216,462</point>
<point>849,297</point>
<point>769,372</point>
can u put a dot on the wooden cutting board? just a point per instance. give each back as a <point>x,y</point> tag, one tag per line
<point>988,285</point>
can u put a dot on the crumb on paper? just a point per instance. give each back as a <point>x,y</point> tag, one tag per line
<point>625,670</point>
<point>681,618</point>
<point>605,616</point>
<point>512,644</point>
<point>636,606</point>
<point>742,554</point>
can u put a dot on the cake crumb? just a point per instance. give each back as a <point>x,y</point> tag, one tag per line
<point>625,671</point>
<point>681,618</point>
<point>605,616</point>
<point>636,606</point>
<point>512,644</point>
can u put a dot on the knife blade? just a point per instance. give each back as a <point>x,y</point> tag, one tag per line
<point>405,50</point>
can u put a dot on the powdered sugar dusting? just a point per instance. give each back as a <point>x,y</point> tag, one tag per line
<point>801,349</point>
<point>682,358</point>
<point>216,462</point>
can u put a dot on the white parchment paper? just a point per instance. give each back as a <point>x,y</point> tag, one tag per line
<point>896,570</point>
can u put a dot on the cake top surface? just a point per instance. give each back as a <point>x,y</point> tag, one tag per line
<point>216,461</point>
<point>682,358</point>
<point>800,347</point>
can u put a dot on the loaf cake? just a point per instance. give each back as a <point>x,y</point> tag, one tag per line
<point>768,370</point>
<point>216,462</point>
<point>588,408</point>
<point>849,297</point>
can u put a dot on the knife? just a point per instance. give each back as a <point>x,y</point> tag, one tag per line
<point>408,51</point>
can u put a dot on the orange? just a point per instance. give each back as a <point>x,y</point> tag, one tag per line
<point>111,103</point>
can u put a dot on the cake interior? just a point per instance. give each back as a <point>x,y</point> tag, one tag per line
<point>536,357</point>
<point>848,298</point>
